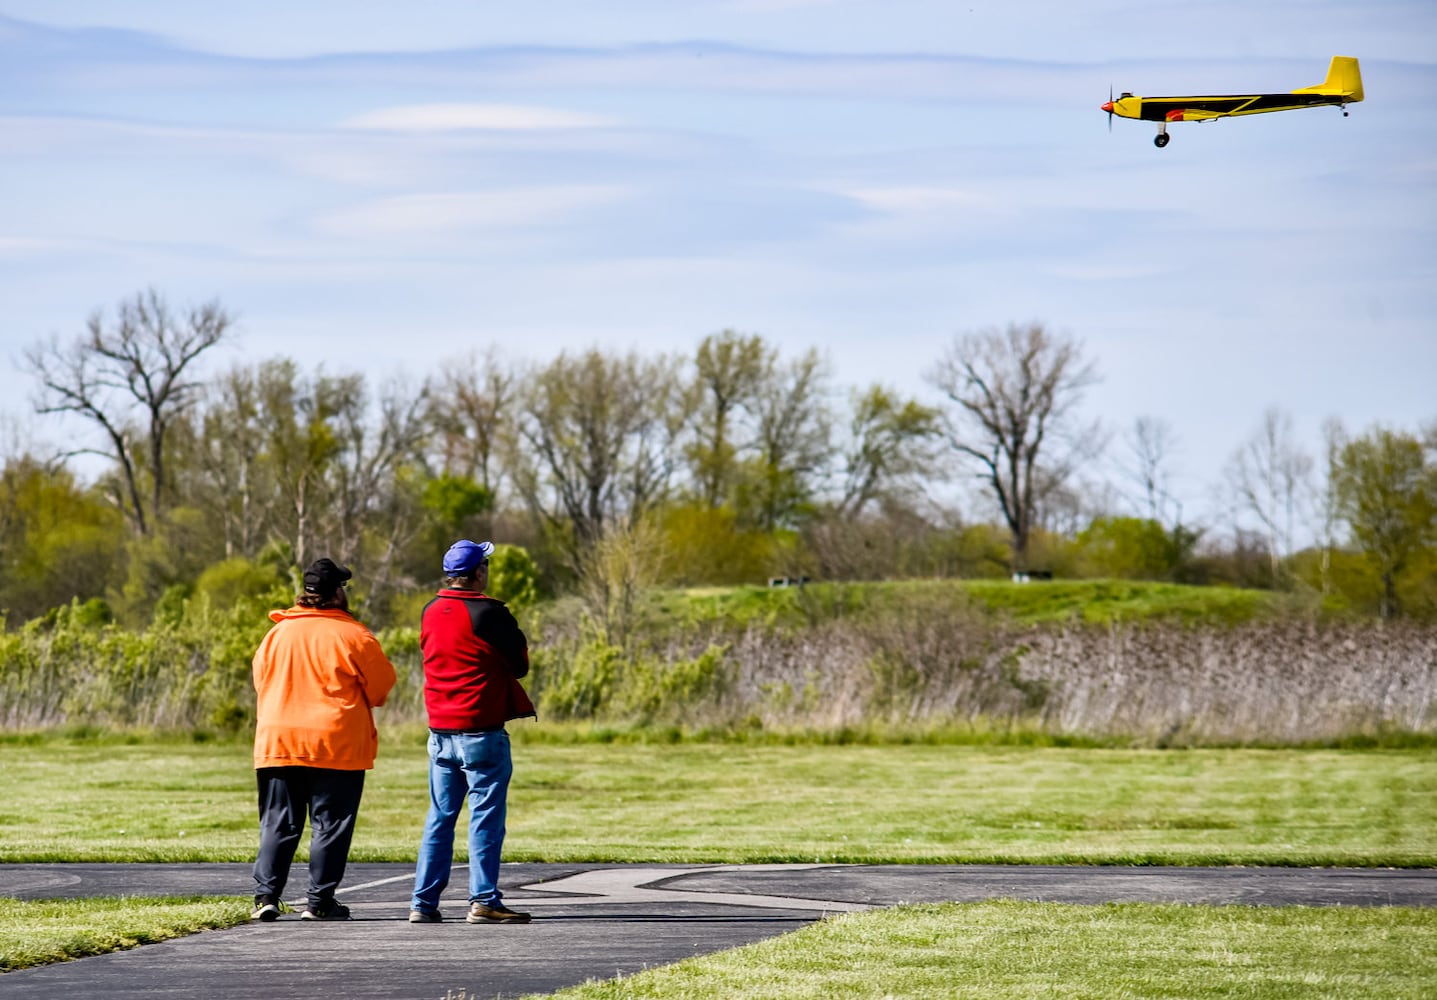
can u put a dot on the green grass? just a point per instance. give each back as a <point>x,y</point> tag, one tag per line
<point>114,799</point>
<point>724,802</point>
<point>1044,601</point>
<point>36,932</point>
<point>1005,949</point>
<point>1106,601</point>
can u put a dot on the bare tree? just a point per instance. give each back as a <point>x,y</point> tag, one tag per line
<point>374,450</point>
<point>473,411</point>
<point>140,362</point>
<point>1270,477</point>
<point>227,462</point>
<point>1015,391</point>
<point>595,442</point>
<point>1150,443</point>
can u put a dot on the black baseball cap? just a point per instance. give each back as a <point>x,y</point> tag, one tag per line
<point>324,577</point>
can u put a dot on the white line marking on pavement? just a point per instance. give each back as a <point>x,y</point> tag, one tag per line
<point>633,885</point>
<point>301,902</point>
<point>636,885</point>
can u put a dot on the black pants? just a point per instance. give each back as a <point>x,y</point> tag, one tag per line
<point>286,794</point>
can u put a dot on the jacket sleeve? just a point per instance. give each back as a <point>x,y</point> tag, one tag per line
<point>495,625</point>
<point>376,673</point>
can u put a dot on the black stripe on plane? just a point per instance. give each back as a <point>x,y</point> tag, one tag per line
<point>1155,109</point>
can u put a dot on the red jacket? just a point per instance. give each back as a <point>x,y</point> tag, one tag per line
<point>474,655</point>
<point>317,675</point>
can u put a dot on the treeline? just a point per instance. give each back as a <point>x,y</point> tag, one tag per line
<point>609,472</point>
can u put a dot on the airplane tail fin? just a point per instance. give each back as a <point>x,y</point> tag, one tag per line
<point>1344,79</point>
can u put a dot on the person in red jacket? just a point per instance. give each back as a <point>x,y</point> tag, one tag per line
<point>318,674</point>
<point>474,654</point>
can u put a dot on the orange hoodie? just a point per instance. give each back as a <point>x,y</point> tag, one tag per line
<point>317,674</point>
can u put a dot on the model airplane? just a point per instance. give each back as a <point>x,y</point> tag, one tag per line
<point>1342,87</point>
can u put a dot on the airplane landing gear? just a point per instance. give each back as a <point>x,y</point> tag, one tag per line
<point>1162,138</point>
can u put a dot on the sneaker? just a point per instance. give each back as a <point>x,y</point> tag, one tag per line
<point>497,914</point>
<point>266,910</point>
<point>333,911</point>
<point>425,917</point>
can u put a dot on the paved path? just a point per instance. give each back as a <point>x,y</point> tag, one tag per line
<point>590,921</point>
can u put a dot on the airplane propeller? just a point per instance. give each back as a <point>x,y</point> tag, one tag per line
<point>1109,109</point>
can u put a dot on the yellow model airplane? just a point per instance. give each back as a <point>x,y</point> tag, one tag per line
<point>1342,87</point>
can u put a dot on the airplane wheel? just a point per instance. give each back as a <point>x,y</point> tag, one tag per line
<point>1161,139</point>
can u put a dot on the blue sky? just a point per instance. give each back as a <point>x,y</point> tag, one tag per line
<point>381,187</point>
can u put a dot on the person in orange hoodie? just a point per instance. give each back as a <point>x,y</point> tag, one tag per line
<point>318,675</point>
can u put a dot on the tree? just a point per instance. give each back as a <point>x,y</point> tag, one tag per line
<point>1387,492</point>
<point>473,411</point>
<point>791,449</point>
<point>1015,391</point>
<point>58,542</point>
<point>1132,548</point>
<point>373,489</point>
<point>729,370</point>
<point>596,443</point>
<point>299,446</point>
<point>888,451</point>
<point>140,362</point>
<point>1270,477</point>
<point>1150,443</point>
<point>225,473</point>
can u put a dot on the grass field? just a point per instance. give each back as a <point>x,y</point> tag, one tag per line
<point>110,799</point>
<point>1007,950</point>
<point>35,932</point>
<point>113,801</point>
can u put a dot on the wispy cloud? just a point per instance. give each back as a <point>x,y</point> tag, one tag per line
<point>461,117</point>
<point>920,199</point>
<point>450,213</point>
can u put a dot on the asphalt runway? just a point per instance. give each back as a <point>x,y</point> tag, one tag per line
<point>590,921</point>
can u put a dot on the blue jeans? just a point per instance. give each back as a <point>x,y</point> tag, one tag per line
<point>477,767</point>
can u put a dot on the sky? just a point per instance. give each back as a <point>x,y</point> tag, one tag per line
<point>384,188</point>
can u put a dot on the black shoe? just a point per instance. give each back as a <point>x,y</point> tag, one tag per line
<point>265,909</point>
<point>330,911</point>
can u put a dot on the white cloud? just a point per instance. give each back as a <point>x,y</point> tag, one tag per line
<point>454,212</point>
<point>921,199</point>
<point>461,117</point>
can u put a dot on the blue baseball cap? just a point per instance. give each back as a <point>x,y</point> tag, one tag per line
<point>464,557</point>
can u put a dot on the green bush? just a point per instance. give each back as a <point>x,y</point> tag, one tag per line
<point>1099,660</point>
<point>513,576</point>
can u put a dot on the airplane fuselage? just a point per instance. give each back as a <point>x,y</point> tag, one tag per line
<point>1192,109</point>
<point>1342,87</point>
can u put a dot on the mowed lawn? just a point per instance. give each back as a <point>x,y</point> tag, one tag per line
<point>114,801</point>
<point>1006,950</point>
<point>716,802</point>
